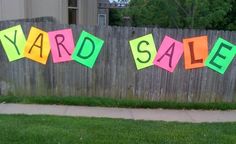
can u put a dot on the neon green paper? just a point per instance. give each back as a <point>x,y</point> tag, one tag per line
<point>13,41</point>
<point>144,51</point>
<point>87,49</point>
<point>221,56</point>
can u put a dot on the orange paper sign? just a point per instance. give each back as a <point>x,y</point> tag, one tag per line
<point>37,46</point>
<point>195,51</point>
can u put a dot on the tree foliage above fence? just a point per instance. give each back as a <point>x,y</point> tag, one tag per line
<point>210,14</point>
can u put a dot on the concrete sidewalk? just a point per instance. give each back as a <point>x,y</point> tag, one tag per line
<point>193,116</point>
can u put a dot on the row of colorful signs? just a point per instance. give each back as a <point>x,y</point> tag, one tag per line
<point>39,43</point>
<point>195,51</point>
<point>61,44</point>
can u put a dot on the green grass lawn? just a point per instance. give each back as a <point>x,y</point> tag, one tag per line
<point>109,102</point>
<point>20,129</point>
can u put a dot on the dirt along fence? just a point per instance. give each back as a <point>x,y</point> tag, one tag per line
<point>114,74</point>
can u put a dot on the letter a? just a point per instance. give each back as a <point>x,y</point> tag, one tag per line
<point>169,54</point>
<point>37,46</point>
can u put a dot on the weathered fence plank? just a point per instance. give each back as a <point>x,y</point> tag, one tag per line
<point>115,74</point>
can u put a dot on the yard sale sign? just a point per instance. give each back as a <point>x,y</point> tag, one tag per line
<point>39,44</point>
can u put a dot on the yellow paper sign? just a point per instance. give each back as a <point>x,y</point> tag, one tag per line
<point>13,41</point>
<point>37,46</point>
<point>144,51</point>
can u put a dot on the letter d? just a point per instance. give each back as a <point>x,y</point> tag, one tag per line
<point>87,49</point>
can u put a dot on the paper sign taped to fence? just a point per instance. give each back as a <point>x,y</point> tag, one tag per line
<point>62,45</point>
<point>195,51</point>
<point>144,51</point>
<point>221,56</point>
<point>87,49</point>
<point>169,54</point>
<point>37,46</point>
<point>13,41</point>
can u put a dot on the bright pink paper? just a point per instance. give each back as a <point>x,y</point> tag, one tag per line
<point>169,48</point>
<point>63,45</point>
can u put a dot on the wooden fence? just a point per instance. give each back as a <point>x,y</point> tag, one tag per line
<point>114,74</point>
